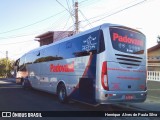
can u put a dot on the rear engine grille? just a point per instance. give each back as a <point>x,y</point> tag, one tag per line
<point>128,60</point>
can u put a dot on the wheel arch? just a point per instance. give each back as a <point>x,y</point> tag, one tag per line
<point>60,83</point>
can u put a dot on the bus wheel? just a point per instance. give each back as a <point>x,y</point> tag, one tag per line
<point>26,83</point>
<point>62,94</point>
<point>23,83</point>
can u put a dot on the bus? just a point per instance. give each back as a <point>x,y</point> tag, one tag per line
<point>106,64</point>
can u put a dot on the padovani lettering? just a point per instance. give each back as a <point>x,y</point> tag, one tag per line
<point>126,39</point>
<point>62,68</point>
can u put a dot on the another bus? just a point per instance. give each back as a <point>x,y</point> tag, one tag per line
<point>106,64</point>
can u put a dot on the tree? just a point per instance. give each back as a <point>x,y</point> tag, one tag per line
<point>6,71</point>
<point>2,68</point>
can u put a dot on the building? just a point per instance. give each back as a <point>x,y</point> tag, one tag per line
<point>52,36</point>
<point>154,63</point>
<point>154,58</point>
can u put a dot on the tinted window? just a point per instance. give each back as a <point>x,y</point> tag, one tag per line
<point>48,54</point>
<point>66,49</point>
<point>126,40</point>
<point>22,64</point>
<point>17,62</point>
<point>101,46</point>
<point>80,46</point>
<point>30,58</point>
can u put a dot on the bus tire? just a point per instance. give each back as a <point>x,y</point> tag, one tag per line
<point>62,94</point>
<point>26,83</point>
<point>23,83</point>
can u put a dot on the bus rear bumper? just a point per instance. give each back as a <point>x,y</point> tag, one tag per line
<point>106,97</point>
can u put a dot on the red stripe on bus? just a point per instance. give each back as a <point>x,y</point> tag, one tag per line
<point>85,71</point>
<point>87,67</point>
<point>128,78</point>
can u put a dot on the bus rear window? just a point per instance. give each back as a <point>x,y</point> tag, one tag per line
<point>127,40</point>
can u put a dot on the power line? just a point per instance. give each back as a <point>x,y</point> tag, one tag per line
<point>117,12</point>
<point>69,8</point>
<point>103,14</point>
<point>65,9</point>
<point>88,3</point>
<point>12,30</point>
<point>66,23</point>
<point>16,42</point>
<point>35,32</point>
<point>33,40</point>
<point>86,18</point>
<point>60,34</point>
<point>32,23</point>
<point>63,6</point>
<point>83,1</point>
<point>24,35</point>
<point>89,23</point>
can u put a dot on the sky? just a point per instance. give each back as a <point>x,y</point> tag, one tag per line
<point>22,20</point>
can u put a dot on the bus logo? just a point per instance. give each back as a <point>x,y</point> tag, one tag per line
<point>89,43</point>
<point>62,68</point>
<point>126,39</point>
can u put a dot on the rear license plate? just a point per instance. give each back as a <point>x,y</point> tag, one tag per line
<point>128,97</point>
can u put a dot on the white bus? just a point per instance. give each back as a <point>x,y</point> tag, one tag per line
<point>106,64</point>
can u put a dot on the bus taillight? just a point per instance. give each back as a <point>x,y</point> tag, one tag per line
<point>104,76</point>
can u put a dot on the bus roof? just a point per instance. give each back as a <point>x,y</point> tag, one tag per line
<point>74,36</point>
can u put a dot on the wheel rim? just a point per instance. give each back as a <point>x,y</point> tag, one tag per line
<point>23,83</point>
<point>62,94</point>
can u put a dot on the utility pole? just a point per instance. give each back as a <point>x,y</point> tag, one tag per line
<point>76,17</point>
<point>6,63</point>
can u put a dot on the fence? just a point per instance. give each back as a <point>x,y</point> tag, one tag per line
<point>153,75</point>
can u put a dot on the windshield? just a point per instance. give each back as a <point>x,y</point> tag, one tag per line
<point>127,40</point>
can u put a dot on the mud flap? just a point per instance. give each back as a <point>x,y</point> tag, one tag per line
<point>86,90</point>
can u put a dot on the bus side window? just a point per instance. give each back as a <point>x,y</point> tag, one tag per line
<point>48,54</point>
<point>22,66</point>
<point>17,64</point>
<point>66,50</point>
<point>101,46</point>
<point>30,58</point>
<point>86,44</point>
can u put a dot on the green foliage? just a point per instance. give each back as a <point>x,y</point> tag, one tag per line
<point>6,66</point>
